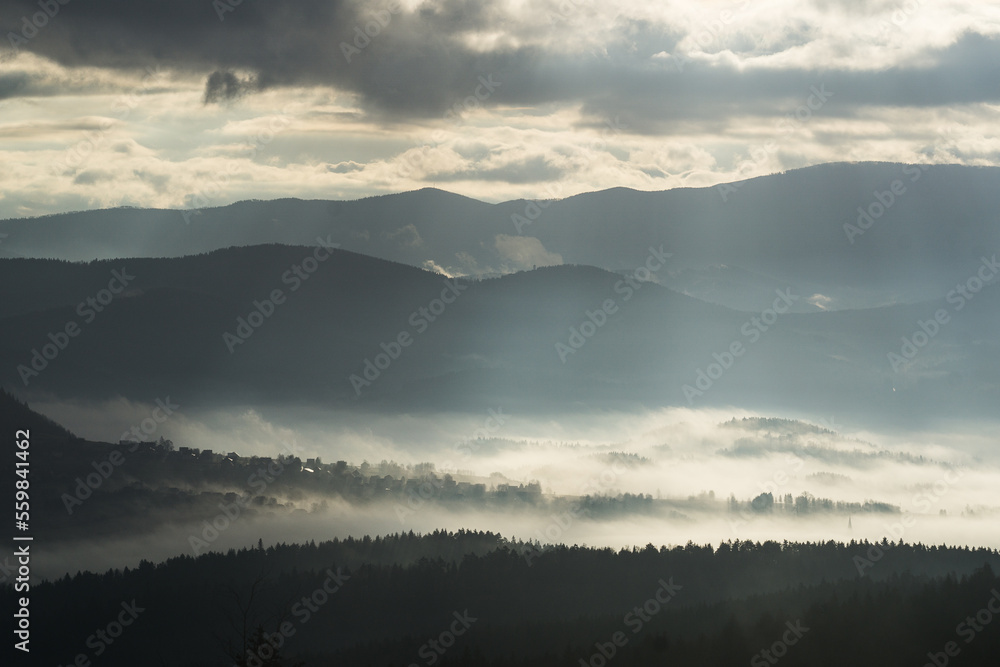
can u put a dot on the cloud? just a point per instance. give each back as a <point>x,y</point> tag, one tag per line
<point>419,61</point>
<point>12,84</point>
<point>92,176</point>
<point>431,265</point>
<point>226,86</point>
<point>535,169</point>
<point>524,252</point>
<point>48,129</point>
<point>694,91</point>
<point>344,167</point>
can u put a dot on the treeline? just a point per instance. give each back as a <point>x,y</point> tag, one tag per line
<point>897,623</point>
<point>806,503</point>
<point>776,425</point>
<point>767,444</point>
<point>15,415</point>
<point>532,605</point>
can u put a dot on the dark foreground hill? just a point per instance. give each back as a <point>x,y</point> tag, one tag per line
<point>475,599</point>
<point>15,415</point>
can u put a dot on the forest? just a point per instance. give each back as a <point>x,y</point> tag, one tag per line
<point>476,598</point>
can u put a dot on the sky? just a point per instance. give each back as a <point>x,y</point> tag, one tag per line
<point>197,103</point>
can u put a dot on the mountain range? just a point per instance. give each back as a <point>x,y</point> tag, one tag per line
<point>252,325</point>
<point>845,235</point>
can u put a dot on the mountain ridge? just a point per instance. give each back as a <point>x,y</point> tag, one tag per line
<point>796,229</point>
<point>550,338</point>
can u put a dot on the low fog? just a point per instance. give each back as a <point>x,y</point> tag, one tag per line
<point>667,477</point>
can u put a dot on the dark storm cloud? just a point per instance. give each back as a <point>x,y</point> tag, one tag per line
<point>405,64</point>
<point>418,64</point>
<point>225,86</point>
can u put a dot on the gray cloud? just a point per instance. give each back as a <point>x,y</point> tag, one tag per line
<point>12,85</point>
<point>47,128</point>
<point>655,102</point>
<point>344,167</point>
<point>529,170</point>
<point>225,86</point>
<point>92,176</point>
<point>419,64</point>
